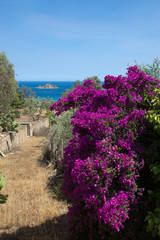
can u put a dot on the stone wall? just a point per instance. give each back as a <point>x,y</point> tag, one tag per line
<point>34,126</point>
<point>38,124</point>
<point>11,139</point>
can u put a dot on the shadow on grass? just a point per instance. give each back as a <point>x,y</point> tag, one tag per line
<point>54,229</point>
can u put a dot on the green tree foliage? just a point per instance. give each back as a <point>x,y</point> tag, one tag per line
<point>151,140</point>
<point>18,102</point>
<point>8,84</point>
<point>36,106</point>
<point>75,84</point>
<point>152,144</point>
<point>9,97</point>
<point>62,128</point>
<point>61,134</point>
<point>8,123</point>
<point>151,69</point>
<point>96,81</point>
<point>26,92</point>
<point>22,94</point>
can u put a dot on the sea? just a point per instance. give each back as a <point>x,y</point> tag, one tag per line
<point>54,93</point>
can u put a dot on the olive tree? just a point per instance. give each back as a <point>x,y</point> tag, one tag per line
<point>151,69</point>
<point>8,84</point>
<point>96,82</point>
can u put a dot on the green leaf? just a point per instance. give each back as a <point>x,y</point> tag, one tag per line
<point>150,192</point>
<point>147,218</point>
<point>157,210</point>
<point>158,230</point>
<point>156,220</point>
<point>150,224</point>
<point>2,181</point>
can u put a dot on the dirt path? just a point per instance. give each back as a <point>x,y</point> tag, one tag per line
<point>30,213</point>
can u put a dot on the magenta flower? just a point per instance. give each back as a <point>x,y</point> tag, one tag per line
<point>103,159</point>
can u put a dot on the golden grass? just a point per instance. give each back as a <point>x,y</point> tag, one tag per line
<point>30,213</point>
<point>26,117</point>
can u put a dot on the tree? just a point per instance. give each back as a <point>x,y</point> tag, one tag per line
<point>96,82</point>
<point>151,140</point>
<point>36,106</point>
<point>8,84</point>
<point>62,129</point>
<point>151,69</point>
<point>27,92</point>
<point>19,100</point>
<point>75,84</point>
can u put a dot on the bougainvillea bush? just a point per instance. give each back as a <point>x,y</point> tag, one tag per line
<point>104,159</point>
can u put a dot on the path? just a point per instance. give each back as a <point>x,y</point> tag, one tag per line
<point>30,213</point>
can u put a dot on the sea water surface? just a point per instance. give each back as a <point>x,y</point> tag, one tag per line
<point>55,93</point>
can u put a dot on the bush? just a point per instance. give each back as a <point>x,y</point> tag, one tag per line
<point>62,130</point>
<point>8,123</point>
<point>151,69</point>
<point>16,113</point>
<point>151,144</point>
<point>3,198</point>
<point>48,156</point>
<point>104,176</point>
<point>96,82</point>
<point>35,106</point>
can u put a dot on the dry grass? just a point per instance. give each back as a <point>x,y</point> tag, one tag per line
<point>30,213</point>
<point>27,118</point>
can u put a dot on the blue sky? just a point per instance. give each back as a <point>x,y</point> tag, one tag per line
<point>67,40</point>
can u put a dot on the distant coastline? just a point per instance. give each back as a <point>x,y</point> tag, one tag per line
<point>47,86</point>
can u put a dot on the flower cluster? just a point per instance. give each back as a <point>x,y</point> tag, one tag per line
<point>103,159</point>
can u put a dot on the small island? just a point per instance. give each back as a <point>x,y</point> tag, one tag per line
<point>47,86</point>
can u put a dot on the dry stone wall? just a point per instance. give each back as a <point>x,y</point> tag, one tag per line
<point>11,139</point>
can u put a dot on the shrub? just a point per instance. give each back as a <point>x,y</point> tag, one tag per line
<point>8,123</point>
<point>105,158</point>
<point>151,142</point>
<point>51,116</point>
<point>48,156</point>
<point>62,129</point>
<point>16,113</point>
<point>96,82</point>
<point>3,198</point>
<point>151,69</point>
<point>35,106</point>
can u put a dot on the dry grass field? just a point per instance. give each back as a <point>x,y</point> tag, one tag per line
<point>30,212</point>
